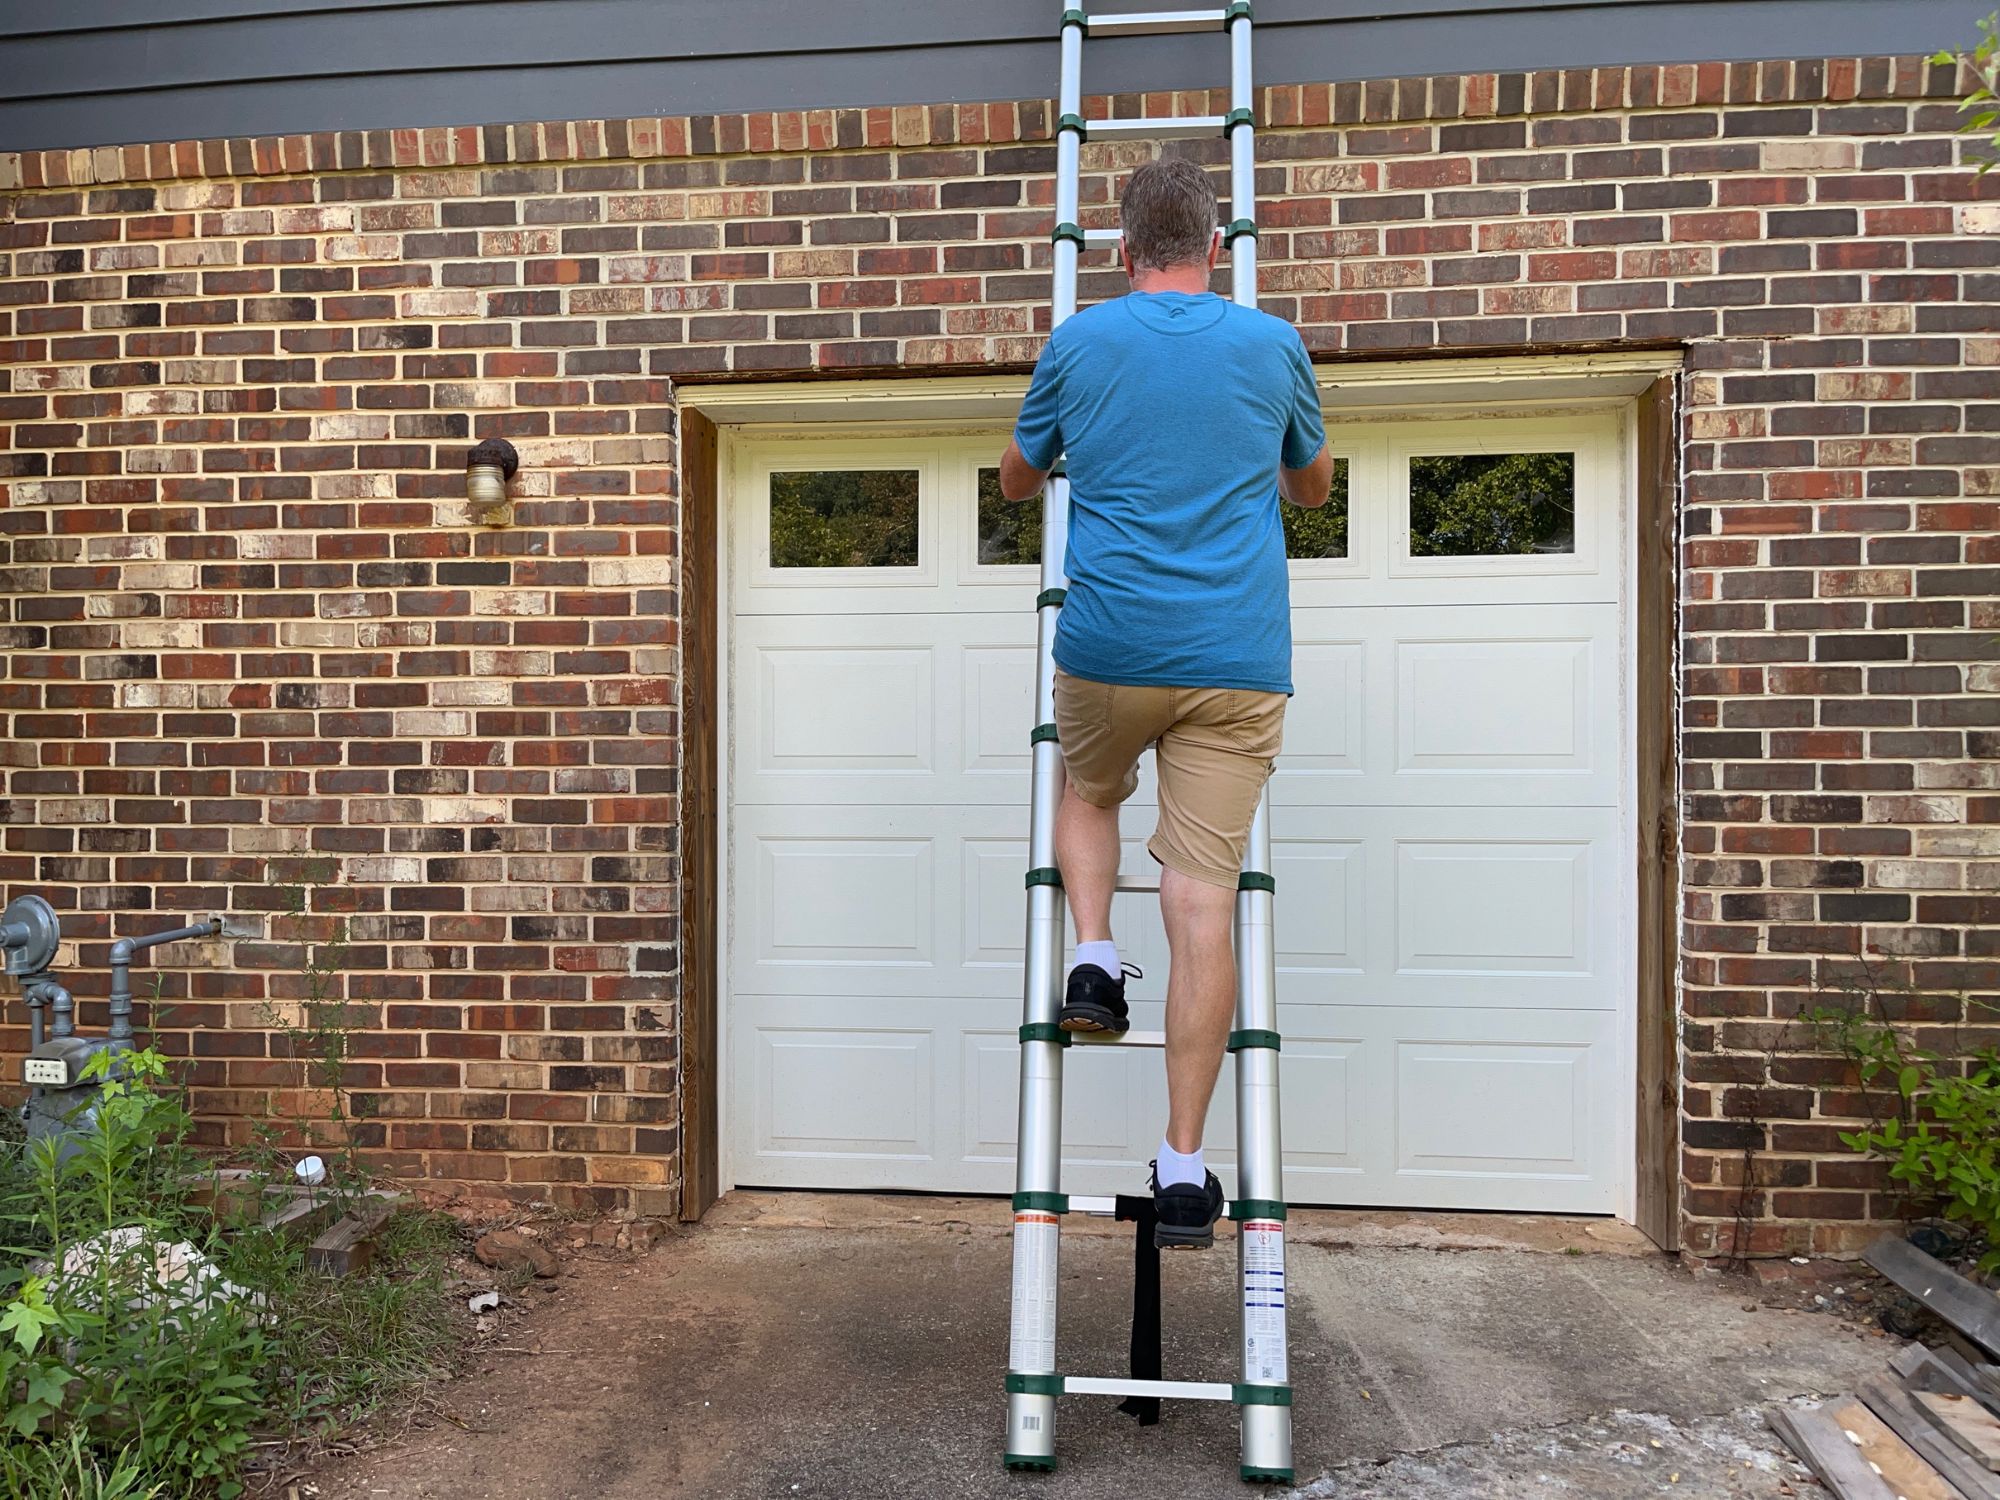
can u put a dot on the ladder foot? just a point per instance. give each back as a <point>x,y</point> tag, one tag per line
<point>1252,1475</point>
<point>1030,1463</point>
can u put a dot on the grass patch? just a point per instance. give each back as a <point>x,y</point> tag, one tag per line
<point>147,1352</point>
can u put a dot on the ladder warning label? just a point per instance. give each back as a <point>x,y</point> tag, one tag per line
<point>1263,1245</point>
<point>1032,1345</point>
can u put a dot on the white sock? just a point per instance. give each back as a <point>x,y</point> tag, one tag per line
<point>1173,1167</point>
<point>1104,955</point>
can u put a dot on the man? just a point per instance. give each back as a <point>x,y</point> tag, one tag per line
<point>1184,417</point>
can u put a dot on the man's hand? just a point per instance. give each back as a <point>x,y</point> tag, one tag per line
<point>1021,480</point>
<point>1307,488</point>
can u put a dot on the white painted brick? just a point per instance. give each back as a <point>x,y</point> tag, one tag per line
<point>460,693</point>
<point>162,635</point>
<point>351,426</point>
<point>1979,218</point>
<point>631,572</point>
<point>142,695</point>
<point>427,722</point>
<point>162,576</point>
<point>481,393</point>
<point>510,602</point>
<point>307,634</point>
<point>465,810</point>
<point>1917,875</point>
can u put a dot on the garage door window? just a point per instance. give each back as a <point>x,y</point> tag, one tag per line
<point>1322,533</point>
<point>1010,531</point>
<point>1492,504</point>
<point>844,518</point>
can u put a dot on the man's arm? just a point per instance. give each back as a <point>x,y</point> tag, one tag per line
<point>1021,480</point>
<point>1308,488</point>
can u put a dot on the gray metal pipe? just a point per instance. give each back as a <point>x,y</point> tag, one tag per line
<point>63,1004</point>
<point>119,1033</point>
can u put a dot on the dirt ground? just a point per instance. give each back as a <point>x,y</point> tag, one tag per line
<point>798,1345</point>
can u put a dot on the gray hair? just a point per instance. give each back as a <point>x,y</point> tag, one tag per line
<point>1168,214</point>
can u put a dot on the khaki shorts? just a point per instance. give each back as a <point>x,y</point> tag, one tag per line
<point>1216,746</point>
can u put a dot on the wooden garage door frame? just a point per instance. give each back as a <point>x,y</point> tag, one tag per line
<point>1648,378</point>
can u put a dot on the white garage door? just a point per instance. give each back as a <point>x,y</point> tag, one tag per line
<point>1450,823</point>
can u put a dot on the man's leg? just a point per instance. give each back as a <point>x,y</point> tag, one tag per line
<point>1201,999</point>
<point>1214,761</point>
<point>1087,852</point>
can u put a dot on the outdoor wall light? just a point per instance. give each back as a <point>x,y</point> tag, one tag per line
<point>488,467</point>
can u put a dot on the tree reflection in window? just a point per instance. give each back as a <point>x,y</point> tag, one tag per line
<point>1318,533</point>
<point>1492,504</point>
<point>1010,531</point>
<point>844,518</point>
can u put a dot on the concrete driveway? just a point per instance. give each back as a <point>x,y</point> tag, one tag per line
<point>845,1346</point>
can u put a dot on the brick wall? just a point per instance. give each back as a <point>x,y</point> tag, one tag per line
<point>250,620</point>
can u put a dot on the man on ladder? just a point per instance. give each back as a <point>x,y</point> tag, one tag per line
<point>1183,416</point>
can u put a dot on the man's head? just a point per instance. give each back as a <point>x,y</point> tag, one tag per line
<point>1168,216</point>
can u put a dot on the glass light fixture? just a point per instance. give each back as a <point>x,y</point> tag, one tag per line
<point>488,467</point>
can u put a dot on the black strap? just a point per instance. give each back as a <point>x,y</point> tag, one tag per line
<point>1137,1209</point>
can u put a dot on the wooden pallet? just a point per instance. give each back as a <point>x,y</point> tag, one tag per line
<point>1930,1428</point>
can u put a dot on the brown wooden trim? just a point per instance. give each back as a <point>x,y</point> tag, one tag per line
<point>701,1135</point>
<point>1658,1136</point>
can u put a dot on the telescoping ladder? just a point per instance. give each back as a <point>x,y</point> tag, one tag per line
<point>1263,1393</point>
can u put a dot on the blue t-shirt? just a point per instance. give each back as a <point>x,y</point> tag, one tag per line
<point>1175,410</point>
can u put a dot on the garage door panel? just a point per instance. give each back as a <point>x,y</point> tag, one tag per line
<point>1463,707</point>
<point>845,1091</point>
<point>913,709</point>
<point>1494,907</point>
<point>854,708</point>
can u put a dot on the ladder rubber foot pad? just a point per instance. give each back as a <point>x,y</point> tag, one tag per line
<point>1050,596</point>
<point>1238,1040</point>
<point>1256,880</point>
<point>1261,1395</point>
<point>1032,1463</point>
<point>1254,1476</point>
<point>1256,1208</point>
<point>1044,1031</point>
<point>1047,875</point>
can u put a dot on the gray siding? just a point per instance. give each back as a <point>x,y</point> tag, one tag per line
<point>96,72</point>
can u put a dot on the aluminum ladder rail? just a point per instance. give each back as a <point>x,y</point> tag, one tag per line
<point>1262,1393</point>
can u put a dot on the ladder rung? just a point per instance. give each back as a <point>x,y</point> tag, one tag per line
<point>1156,22</point>
<point>1155,128</point>
<point>1102,1207</point>
<point>1102,236</point>
<point>1143,885</point>
<point>1186,1390</point>
<point>1119,1038</point>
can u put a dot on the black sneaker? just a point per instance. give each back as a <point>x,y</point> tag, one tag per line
<point>1095,1001</point>
<point>1186,1214</point>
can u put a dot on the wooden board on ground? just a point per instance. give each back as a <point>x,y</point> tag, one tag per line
<point>1965,1422</point>
<point>1895,1460</point>
<point>301,1216</point>
<point>1830,1454</point>
<point>1899,1409</point>
<point>348,1244</point>
<point>1967,1306</point>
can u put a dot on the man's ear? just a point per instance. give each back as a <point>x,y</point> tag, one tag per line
<point>1125,258</point>
<point>1214,249</point>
